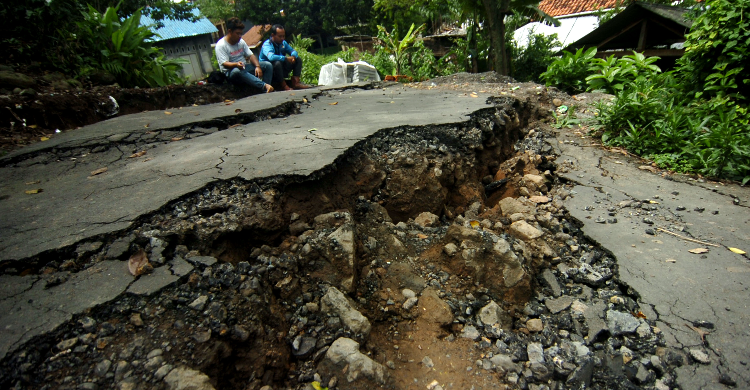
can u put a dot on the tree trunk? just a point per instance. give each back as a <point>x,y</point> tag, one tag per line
<point>495,12</point>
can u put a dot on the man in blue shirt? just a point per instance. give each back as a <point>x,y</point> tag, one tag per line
<point>232,52</point>
<point>283,58</point>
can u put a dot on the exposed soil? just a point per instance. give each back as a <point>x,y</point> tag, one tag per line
<point>27,119</point>
<point>459,216</point>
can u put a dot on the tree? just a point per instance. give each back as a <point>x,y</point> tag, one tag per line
<point>495,12</point>
<point>216,10</point>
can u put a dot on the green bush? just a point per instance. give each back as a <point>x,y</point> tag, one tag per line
<point>528,63</point>
<point>569,72</point>
<point>717,51</point>
<point>613,74</point>
<point>125,49</point>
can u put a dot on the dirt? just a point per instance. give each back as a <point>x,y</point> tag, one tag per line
<point>28,119</point>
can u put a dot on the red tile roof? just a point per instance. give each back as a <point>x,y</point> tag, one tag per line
<point>567,7</point>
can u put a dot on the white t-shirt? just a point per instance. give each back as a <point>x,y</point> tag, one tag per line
<point>231,53</point>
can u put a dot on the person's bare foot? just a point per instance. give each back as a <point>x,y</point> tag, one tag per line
<point>269,88</point>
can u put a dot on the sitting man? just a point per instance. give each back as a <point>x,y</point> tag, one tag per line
<point>231,53</point>
<point>284,59</point>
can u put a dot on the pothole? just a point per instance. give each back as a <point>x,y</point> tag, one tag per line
<point>423,257</point>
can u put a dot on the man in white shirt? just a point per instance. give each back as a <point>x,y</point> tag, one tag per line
<point>232,52</point>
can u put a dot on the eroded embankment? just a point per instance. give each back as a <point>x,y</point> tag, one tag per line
<point>436,256</point>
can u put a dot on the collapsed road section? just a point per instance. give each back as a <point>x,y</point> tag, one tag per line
<point>430,254</point>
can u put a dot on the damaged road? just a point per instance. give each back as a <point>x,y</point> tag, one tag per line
<point>435,236</point>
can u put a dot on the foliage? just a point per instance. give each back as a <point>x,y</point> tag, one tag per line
<point>307,17</point>
<point>565,117</point>
<point>569,72</point>
<point>125,49</point>
<point>717,51</point>
<point>613,74</point>
<point>528,63</point>
<point>400,49</point>
<point>216,10</point>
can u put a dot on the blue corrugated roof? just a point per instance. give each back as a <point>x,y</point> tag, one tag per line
<point>179,28</point>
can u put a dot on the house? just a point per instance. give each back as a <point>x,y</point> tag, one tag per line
<point>577,18</point>
<point>187,40</point>
<point>651,29</point>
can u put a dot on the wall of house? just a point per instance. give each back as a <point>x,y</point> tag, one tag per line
<point>197,50</point>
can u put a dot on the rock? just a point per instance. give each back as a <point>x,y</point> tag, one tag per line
<point>492,314</point>
<point>534,325</point>
<point>551,281</point>
<point>180,267</point>
<point>199,303</point>
<point>119,248</point>
<point>407,293</point>
<point>450,249</point>
<point>163,371</point>
<point>643,376</point>
<point>298,227</point>
<point>335,302</point>
<point>31,92</point>
<point>202,336</point>
<point>67,344</point>
<point>470,332</point>
<point>154,363</point>
<point>184,378</point>
<point>535,182</point>
<point>505,363</point>
<point>581,376</point>
<point>557,102</point>
<point>557,305</point>
<point>700,356</point>
<point>427,362</point>
<point>621,323</point>
<point>725,379</point>
<point>643,330</point>
<point>205,261</point>
<point>426,219</point>
<point>524,231</point>
<point>102,368</point>
<point>10,79</point>
<point>411,302</point>
<point>154,282</point>
<point>343,259</point>
<point>88,386</point>
<point>240,333</point>
<point>303,346</point>
<point>345,351</point>
<point>435,309</point>
<point>509,206</point>
<point>535,352</point>
<point>594,321</point>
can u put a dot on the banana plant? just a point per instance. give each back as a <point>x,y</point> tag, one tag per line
<point>399,48</point>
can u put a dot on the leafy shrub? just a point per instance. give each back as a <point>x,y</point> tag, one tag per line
<point>125,49</point>
<point>528,63</point>
<point>717,51</point>
<point>613,74</point>
<point>569,72</point>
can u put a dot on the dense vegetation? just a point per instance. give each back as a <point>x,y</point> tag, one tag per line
<point>691,119</point>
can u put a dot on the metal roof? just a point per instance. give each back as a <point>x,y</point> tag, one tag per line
<point>179,28</point>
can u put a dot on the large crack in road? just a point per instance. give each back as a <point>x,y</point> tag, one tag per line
<point>448,237</point>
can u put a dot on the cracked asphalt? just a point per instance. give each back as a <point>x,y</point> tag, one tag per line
<point>158,157</point>
<point>681,288</point>
<point>146,167</point>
